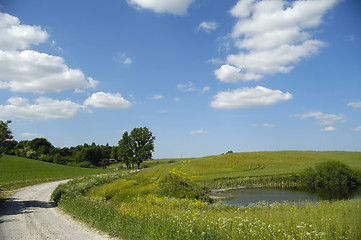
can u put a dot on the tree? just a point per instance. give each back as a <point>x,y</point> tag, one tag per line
<point>9,147</point>
<point>5,134</point>
<point>40,145</point>
<point>114,153</point>
<point>142,143</point>
<point>125,150</point>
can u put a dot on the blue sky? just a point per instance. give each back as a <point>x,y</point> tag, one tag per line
<point>204,76</point>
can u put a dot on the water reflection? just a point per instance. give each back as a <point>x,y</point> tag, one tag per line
<point>245,196</point>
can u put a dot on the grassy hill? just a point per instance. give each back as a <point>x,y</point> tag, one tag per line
<point>18,172</point>
<point>251,164</point>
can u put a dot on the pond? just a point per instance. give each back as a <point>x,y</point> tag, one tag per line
<point>246,196</point>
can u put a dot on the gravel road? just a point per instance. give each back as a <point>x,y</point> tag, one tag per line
<point>29,215</point>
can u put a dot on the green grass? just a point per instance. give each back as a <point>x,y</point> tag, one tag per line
<point>231,169</point>
<point>149,163</point>
<point>135,207</point>
<point>17,172</point>
<point>128,209</point>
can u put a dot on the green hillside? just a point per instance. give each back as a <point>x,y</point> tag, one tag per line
<point>17,169</point>
<point>252,164</point>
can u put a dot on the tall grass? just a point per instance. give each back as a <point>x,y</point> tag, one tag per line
<point>132,214</point>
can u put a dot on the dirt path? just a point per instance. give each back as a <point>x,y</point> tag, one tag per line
<point>29,215</point>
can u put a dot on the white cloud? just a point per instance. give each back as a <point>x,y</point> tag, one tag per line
<point>207,26</point>
<point>205,89</point>
<point>44,108</point>
<point>323,118</point>
<point>186,87</point>
<point>249,97</point>
<point>215,61</point>
<point>328,129</point>
<point>31,71</point>
<point>272,37</point>
<point>122,58</point>
<point>242,9</point>
<point>157,97</point>
<point>354,104</point>
<point>55,45</point>
<point>17,36</point>
<point>107,100</point>
<point>197,132</point>
<point>32,135</point>
<point>177,7</point>
<point>357,128</point>
<point>230,74</point>
<point>267,125</point>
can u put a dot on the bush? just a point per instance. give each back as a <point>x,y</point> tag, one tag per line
<point>81,186</point>
<point>177,187</point>
<point>331,173</point>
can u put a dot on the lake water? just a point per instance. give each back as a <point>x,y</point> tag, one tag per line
<point>246,196</point>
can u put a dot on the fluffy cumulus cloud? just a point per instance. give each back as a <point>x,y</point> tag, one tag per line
<point>230,74</point>
<point>323,118</point>
<point>272,36</point>
<point>177,7</point>
<point>31,71</point>
<point>249,97</point>
<point>16,36</point>
<point>207,26</point>
<point>43,108</point>
<point>24,70</point>
<point>107,100</point>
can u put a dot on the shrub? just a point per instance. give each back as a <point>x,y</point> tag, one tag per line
<point>80,186</point>
<point>175,186</point>
<point>331,173</point>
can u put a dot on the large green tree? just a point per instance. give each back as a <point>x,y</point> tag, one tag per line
<point>143,144</point>
<point>125,150</point>
<point>5,135</point>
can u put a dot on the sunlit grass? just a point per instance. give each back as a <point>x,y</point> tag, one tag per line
<point>240,168</point>
<point>148,216</point>
<point>16,172</point>
<point>136,208</point>
<point>131,208</point>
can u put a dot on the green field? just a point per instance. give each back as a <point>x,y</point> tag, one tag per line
<point>228,169</point>
<point>150,205</point>
<point>18,172</point>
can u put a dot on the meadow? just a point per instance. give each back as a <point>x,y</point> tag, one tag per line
<point>16,172</point>
<point>259,168</point>
<point>170,200</point>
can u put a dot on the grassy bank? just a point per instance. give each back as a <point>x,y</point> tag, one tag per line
<point>131,209</point>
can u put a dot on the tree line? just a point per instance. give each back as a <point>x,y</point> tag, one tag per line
<point>132,149</point>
